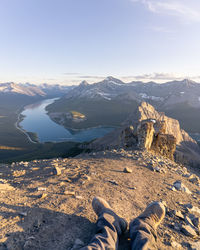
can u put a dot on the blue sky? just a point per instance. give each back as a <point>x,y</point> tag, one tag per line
<point>66,41</point>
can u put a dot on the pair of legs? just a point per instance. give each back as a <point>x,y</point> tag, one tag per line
<point>110,226</point>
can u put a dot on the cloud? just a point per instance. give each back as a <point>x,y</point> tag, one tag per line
<point>91,77</point>
<point>161,29</point>
<point>188,10</point>
<point>159,77</point>
<point>71,74</point>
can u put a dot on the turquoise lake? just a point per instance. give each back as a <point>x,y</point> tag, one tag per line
<point>37,121</point>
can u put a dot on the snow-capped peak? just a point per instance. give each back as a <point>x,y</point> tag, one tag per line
<point>84,83</point>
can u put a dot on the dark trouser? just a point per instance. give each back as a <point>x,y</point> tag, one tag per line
<point>108,230</point>
<point>142,235</point>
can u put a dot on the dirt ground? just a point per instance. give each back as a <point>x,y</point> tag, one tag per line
<point>43,210</point>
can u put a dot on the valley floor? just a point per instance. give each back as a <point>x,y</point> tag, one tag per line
<point>44,210</point>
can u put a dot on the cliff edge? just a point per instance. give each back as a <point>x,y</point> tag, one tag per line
<point>152,130</point>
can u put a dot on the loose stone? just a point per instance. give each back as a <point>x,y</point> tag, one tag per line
<point>57,171</point>
<point>179,214</point>
<point>127,170</point>
<point>188,231</point>
<point>69,193</point>
<point>176,245</point>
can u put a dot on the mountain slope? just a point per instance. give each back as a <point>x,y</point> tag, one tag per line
<point>38,206</point>
<point>111,92</point>
<point>27,89</point>
<point>13,97</point>
<point>13,88</point>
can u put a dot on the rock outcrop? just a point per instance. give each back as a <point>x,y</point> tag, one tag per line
<point>152,130</point>
<point>165,145</point>
<point>165,124</point>
<point>145,134</point>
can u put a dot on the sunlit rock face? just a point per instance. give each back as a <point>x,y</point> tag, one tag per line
<point>149,129</point>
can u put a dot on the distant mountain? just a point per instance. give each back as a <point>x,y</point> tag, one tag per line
<point>27,89</point>
<point>13,88</point>
<point>165,94</point>
<point>112,97</point>
<point>107,89</point>
<point>55,89</point>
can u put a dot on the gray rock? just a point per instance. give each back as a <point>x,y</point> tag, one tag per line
<point>188,205</point>
<point>23,214</point>
<point>196,222</point>
<point>188,231</point>
<point>194,179</point>
<point>30,243</point>
<point>181,187</point>
<point>77,244</point>
<point>159,170</point>
<point>187,175</point>
<point>177,226</point>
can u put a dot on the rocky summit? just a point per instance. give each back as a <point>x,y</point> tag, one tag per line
<point>46,204</point>
<point>149,129</point>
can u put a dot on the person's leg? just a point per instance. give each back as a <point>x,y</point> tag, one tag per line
<point>143,228</point>
<point>109,226</point>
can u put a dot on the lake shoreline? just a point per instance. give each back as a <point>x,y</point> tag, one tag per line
<point>35,119</point>
<point>20,118</point>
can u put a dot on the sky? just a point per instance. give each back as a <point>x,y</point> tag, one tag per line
<point>67,41</point>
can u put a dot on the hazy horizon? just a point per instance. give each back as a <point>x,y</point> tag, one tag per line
<point>99,79</point>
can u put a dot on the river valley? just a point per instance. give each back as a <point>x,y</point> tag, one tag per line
<point>36,120</point>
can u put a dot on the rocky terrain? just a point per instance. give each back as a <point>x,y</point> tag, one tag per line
<point>46,204</point>
<point>146,128</point>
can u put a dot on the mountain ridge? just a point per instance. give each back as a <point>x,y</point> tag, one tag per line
<point>43,90</point>
<point>169,97</point>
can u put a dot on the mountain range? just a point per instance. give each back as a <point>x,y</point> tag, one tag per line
<point>165,94</point>
<point>113,97</point>
<point>27,89</point>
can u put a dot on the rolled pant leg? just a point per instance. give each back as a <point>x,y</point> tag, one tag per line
<point>142,235</point>
<point>107,233</point>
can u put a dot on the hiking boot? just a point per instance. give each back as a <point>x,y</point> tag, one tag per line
<point>101,206</point>
<point>153,214</point>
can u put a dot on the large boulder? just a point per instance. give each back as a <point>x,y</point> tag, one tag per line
<point>145,134</point>
<point>128,137</point>
<point>165,145</point>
